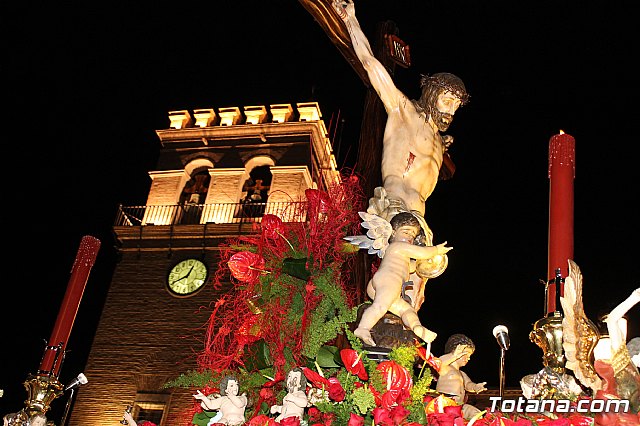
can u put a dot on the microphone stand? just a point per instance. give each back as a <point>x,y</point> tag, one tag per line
<point>67,407</point>
<point>502,355</point>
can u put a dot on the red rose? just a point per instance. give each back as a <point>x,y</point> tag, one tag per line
<point>336,391</point>
<point>267,394</point>
<point>560,422</point>
<point>290,421</point>
<point>262,420</point>
<point>314,414</point>
<point>398,414</point>
<point>453,409</point>
<point>382,417</point>
<point>580,420</point>
<point>355,420</point>
<point>441,419</point>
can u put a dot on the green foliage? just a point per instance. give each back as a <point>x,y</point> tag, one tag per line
<point>330,317</point>
<point>417,413</point>
<point>347,380</point>
<point>294,319</point>
<point>243,247</point>
<point>421,387</point>
<point>362,400</point>
<point>199,379</point>
<point>255,380</point>
<point>341,411</point>
<point>354,342</point>
<point>194,378</point>
<point>404,355</point>
<point>376,380</point>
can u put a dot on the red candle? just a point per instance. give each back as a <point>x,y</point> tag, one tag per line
<point>562,172</point>
<point>85,258</point>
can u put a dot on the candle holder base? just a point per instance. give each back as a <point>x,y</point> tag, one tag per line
<point>42,390</point>
<point>547,334</point>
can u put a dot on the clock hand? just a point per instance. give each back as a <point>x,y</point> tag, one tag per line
<point>185,276</point>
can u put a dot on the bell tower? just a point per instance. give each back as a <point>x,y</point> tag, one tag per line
<point>218,172</point>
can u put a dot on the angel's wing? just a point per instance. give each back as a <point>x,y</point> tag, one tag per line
<point>579,334</point>
<point>377,238</point>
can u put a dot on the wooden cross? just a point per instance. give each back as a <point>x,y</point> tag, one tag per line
<point>370,145</point>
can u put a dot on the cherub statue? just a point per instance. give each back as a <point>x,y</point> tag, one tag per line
<point>394,243</point>
<point>231,406</point>
<point>454,382</point>
<point>295,401</point>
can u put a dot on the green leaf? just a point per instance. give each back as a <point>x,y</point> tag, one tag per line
<point>257,356</point>
<point>326,357</point>
<point>296,268</point>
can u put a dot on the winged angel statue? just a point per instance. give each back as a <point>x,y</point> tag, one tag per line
<point>615,377</point>
<point>376,240</point>
<point>579,334</point>
<point>395,242</point>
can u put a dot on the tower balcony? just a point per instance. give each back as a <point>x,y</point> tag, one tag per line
<point>195,226</point>
<point>201,214</point>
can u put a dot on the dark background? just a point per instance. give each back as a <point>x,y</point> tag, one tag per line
<point>85,87</point>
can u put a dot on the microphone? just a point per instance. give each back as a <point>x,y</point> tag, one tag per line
<point>501,333</point>
<point>80,380</point>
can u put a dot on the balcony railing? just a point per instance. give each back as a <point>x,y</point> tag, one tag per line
<point>194,214</point>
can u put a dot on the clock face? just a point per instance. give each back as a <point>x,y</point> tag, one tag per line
<point>187,277</point>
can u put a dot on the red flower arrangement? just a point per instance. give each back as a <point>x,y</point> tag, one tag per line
<point>275,300</point>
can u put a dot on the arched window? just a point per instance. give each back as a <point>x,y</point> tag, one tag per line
<point>255,190</point>
<point>195,190</point>
<point>194,195</point>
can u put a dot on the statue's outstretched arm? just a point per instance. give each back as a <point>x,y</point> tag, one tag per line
<point>613,319</point>
<point>378,74</point>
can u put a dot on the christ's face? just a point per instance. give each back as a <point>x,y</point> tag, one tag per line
<point>446,106</point>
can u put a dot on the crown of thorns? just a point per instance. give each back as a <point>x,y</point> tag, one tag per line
<point>448,82</point>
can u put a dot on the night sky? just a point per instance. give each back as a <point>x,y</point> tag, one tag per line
<point>85,88</point>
